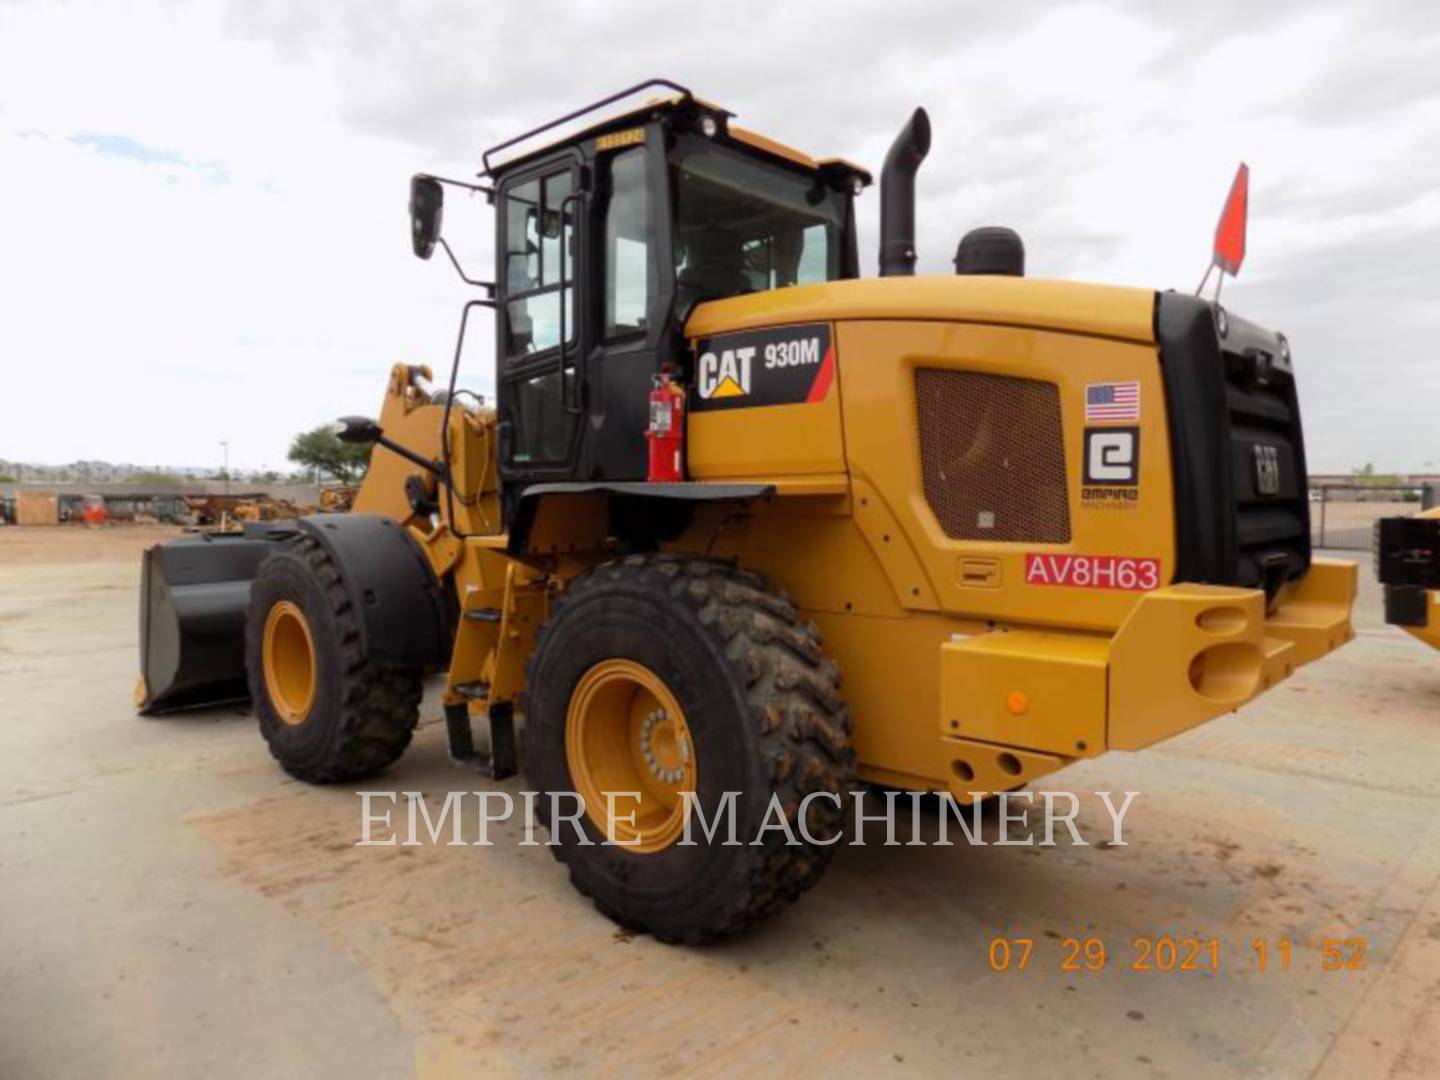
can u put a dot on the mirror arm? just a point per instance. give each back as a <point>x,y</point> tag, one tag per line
<point>488,192</point>
<point>488,286</point>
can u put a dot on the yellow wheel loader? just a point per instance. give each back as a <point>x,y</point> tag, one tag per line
<point>743,528</point>
<point>1407,564</point>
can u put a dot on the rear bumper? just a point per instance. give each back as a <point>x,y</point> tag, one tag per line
<point>1215,649</point>
<point>1018,704</point>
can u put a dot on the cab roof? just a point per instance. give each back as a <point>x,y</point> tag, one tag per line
<point>678,100</point>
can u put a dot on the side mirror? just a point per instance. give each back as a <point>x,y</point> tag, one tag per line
<point>427,203</point>
<point>356,429</point>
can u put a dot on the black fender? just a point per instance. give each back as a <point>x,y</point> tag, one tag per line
<point>405,620</point>
<point>667,503</point>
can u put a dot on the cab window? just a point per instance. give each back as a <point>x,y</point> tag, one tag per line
<point>746,226</point>
<point>627,246</point>
<point>539,250</point>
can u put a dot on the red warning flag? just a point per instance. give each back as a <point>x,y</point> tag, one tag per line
<point>1230,232</point>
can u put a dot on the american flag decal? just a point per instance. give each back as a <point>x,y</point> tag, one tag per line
<point>1112,401</point>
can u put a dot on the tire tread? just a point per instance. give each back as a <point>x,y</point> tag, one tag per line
<point>795,706</point>
<point>379,705</point>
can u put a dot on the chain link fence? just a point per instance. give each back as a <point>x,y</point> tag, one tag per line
<point>1343,515</point>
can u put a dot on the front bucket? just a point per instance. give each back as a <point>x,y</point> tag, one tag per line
<point>193,596</point>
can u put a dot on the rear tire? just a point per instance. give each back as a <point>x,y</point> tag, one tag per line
<point>355,717</point>
<point>760,705</point>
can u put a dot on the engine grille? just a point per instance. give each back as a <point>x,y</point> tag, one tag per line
<point>992,456</point>
<point>1242,514</point>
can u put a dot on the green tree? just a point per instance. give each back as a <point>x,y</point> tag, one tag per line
<point>6,478</point>
<point>156,478</point>
<point>1366,476</point>
<point>321,449</point>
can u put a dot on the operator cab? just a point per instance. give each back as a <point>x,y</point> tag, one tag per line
<point>605,242</point>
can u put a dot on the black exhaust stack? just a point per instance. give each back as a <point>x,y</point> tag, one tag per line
<point>897,196</point>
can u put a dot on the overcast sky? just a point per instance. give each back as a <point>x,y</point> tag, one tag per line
<point>202,206</point>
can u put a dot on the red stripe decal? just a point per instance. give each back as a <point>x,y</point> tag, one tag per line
<point>823,378</point>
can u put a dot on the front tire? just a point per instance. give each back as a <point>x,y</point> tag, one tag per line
<point>660,674</point>
<point>328,713</point>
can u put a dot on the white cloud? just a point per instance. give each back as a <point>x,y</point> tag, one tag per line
<point>261,283</point>
<point>155,308</point>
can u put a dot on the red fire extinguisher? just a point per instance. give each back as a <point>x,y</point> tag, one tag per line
<point>666,433</point>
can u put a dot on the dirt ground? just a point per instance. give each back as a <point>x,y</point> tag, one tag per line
<point>171,904</point>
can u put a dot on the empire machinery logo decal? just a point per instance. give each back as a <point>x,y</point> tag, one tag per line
<point>1111,470</point>
<point>789,365</point>
<point>1111,465</point>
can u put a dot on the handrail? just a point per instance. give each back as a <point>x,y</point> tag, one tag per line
<point>575,232</point>
<point>668,84</point>
<point>445,449</point>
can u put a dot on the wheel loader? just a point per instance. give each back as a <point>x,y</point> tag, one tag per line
<point>1407,565</point>
<point>741,524</point>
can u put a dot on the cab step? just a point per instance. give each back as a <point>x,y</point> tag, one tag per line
<point>500,762</point>
<point>473,691</point>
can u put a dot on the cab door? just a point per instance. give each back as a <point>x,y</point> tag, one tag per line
<point>629,310</point>
<point>539,267</point>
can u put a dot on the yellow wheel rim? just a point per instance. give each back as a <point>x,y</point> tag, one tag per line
<point>625,732</point>
<point>288,651</point>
